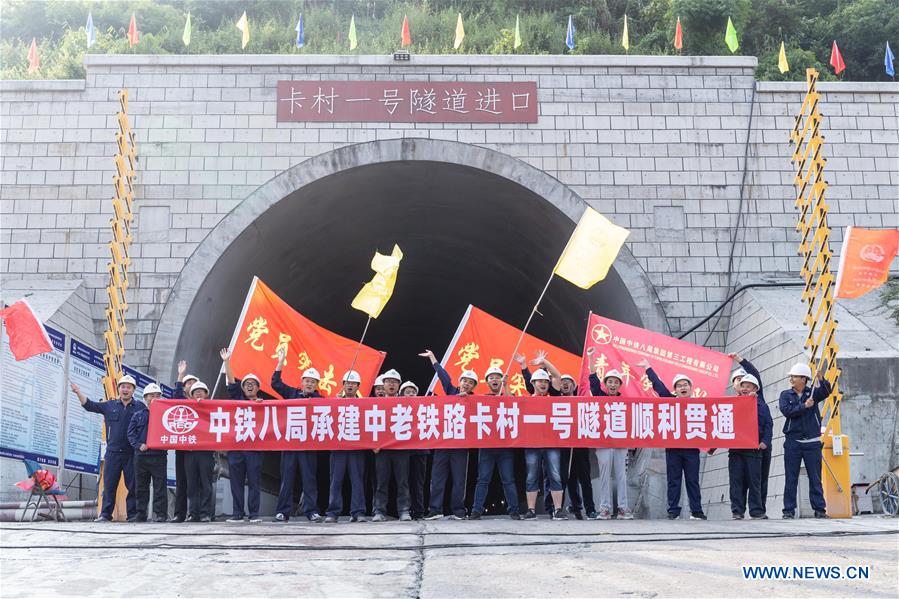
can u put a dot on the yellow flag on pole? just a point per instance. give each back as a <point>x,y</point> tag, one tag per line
<point>625,38</point>
<point>244,25</point>
<point>460,33</point>
<point>374,295</point>
<point>592,249</point>
<point>782,63</point>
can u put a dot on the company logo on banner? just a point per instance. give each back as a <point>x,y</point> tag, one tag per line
<point>865,260</point>
<point>483,341</point>
<point>268,324</point>
<point>457,422</point>
<point>619,346</point>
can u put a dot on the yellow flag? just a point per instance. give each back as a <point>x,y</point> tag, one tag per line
<point>374,295</point>
<point>782,63</point>
<point>592,249</point>
<point>625,38</point>
<point>460,33</point>
<point>352,36</point>
<point>244,27</point>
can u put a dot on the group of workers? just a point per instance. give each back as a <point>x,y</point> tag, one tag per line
<point>550,470</point>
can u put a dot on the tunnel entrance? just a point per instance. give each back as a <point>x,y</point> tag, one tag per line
<point>475,227</point>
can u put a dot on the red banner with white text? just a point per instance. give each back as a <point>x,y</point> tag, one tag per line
<point>619,346</point>
<point>453,422</point>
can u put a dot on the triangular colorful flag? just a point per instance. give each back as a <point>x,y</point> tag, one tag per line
<point>782,63</point>
<point>888,61</point>
<point>460,33</point>
<point>26,332</point>
<point>678,36</point>
<point>730,36</point>
<point>406,35</point>
<point>89,30</point>
<point>592,249</point>
<point>836,59</point>
<point>374,295</point>
<point>517,43</point>
<point>352,35</point>
<point>185,37</point>
<point>301,34</point>
<point>625,38</point>
<point>244,26</point>
<point>569,35</point>
<point>133,34</point>
<point>34,60</point>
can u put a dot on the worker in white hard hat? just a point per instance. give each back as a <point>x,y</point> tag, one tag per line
<point>680,463</point>
<point>350,462</point>
<point>244,467</point>
<point>377,389</point>
<point>802,436</point>
<point>391,463</point>
<point>418,465</point>
<point>182,391</point>
<point>118,462</point>
<point>540,460</point>
<point>745,465</point>
<point>765,422</point>
<point>149,464</point>
<point>608,383</point>
<point>291,461</point>
<point>495,458</point>
<point>449,464</point>
<point>199,467</point>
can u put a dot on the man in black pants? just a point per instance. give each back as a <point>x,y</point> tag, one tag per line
<point>182,391</point>
<point>149,464</point>
<point>391,462</point>
<point>200,468</point>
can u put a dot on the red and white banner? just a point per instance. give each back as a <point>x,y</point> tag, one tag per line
<point>865,260</point>
<point>268,323</point>
<point>453,422</point>
<point>619,346</point>
<point>482,341</point>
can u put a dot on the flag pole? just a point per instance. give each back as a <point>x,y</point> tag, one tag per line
<point>359,346</point>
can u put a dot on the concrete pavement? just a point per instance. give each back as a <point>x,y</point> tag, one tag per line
<point>490,558</point>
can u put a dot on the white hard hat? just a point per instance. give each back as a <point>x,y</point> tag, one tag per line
<point>188,377</point>
<point>127,379</point>
<point>469,374</point>
<point>199,385</point>
<point>379,381</point>
<point>408,384</point>
<point>251,377</point>
<point>569,377</point>
<point>681,377</point>
<point>351,376</point>
<point>738,373</point>
<point>801,370</point>
<point>151,388</point>
<point>311,373</point>
<point>493,370</point>
<point>391,374</point>
<point>748,378</point>
<point>614,374</point>
<point>540,375</point>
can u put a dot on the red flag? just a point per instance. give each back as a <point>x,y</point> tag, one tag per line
<point>836,59</point>
<point>27,335</point>
<point>678,36</point>
<point>34,61</point>
<point>133,35</point>
<point>407,36</point>
<point>268,323</point>
<point>865,260</point>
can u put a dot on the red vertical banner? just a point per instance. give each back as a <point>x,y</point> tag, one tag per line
<point>268,323</point>
<point>619,346</point>
<point>482,341</point>
<point>865,260</point>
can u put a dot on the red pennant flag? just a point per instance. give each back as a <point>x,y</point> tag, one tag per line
<point>836,59</point>
<point>407,35</point>
<point>27,335</point>
<point>34,61</point>
<point>133,35</point>
<point>865,260</point>
<point>678,36</point>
